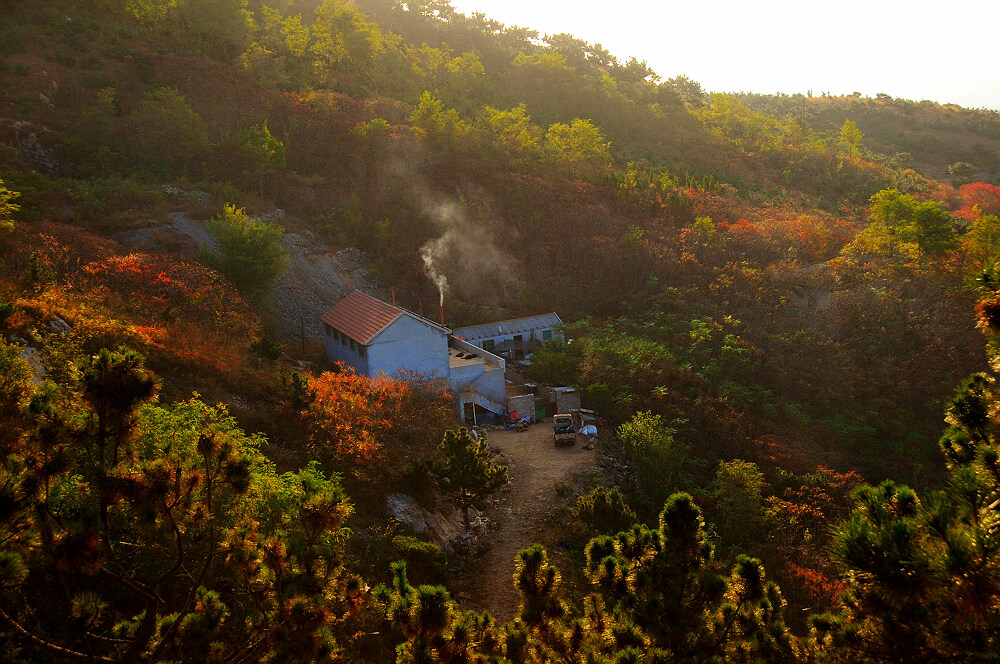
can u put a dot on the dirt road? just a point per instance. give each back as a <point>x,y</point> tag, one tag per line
<point>536,468</point>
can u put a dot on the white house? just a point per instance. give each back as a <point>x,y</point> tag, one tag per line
<point>513,338</point>
<point>375,337</point>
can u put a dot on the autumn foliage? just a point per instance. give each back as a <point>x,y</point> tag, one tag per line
<point>368,427</point>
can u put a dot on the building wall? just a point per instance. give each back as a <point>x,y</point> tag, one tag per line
<point>409,345</point>
<point>339,352</point>
<point>527,335</point>
<point>486,380</point>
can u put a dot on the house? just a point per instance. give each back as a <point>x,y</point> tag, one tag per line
<point>513,339</point>
<point>377,338</point>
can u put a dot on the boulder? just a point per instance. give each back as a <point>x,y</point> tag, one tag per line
<point>444,528</point>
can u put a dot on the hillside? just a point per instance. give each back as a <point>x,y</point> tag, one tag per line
<point>769,300</point>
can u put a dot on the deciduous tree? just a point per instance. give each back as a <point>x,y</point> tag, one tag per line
<point>249,251</point>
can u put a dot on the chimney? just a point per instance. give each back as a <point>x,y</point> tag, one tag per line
<point>442,315</point>
<point>393,296</point>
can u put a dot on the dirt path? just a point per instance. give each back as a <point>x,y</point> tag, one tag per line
<point>536,467</point>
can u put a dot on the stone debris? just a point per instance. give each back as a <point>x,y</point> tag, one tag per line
<point>34,359</point>
<point>59,326</point>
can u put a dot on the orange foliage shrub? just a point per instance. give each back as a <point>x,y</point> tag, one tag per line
<point>369,425</point>
<point>172,311</point>
<point>978,198</point>
<point>804,516</point>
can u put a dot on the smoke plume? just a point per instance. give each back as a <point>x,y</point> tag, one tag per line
<point>465,258</point>
<point>434,250</point>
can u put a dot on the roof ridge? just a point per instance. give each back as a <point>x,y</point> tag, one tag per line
<point>362,317</point>
<point>509,320</point>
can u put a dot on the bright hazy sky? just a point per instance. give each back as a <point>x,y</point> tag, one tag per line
<point>944,51</point>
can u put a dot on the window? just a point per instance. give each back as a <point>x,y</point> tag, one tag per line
<point>328,329</point>
<point>343,339</point>
<point>488,345</point>
<point>546,335</point>
<point>518,337</point>
<point>361,350</point>
<point>353,346</point>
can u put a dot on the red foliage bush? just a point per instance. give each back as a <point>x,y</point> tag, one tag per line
<point>978,198</point>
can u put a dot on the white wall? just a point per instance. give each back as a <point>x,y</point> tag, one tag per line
<point>340,353</point>
<point>409,345</point>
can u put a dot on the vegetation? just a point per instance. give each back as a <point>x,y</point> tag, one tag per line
<point>468,472</point>
<point>769,301</point>
<point>249,251</point>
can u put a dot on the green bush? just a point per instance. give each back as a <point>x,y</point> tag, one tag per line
<point>249,251</point>
<point>424,560</point>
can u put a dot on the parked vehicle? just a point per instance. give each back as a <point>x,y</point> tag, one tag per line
<point>563,432</point>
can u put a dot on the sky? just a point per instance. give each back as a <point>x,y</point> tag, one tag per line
<point>914,49</point>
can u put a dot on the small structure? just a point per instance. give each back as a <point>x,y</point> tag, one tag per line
<point>563,399</point>
<point>513,339</point>
<point>376,337</point>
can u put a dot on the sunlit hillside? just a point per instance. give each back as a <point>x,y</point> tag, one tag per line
<point>775,306</point>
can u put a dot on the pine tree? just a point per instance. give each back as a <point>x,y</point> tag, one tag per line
<point>468,472</point>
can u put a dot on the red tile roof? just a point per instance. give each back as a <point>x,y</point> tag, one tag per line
<point>361,317</point>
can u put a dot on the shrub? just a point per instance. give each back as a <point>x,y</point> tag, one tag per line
<point>249,254</point>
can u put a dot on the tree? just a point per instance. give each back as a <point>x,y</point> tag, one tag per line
<point>344,44</point>
<point>249,251</point>
<point>923,575</point>
<point>605,511</point>
<point>903,227</point>
<point>667,583</point>
<point>739,507</point>
<point>580,146</point>
<point>512,130</point>
<point>149,11</point>
<point>554,364</point>
<point>961,173</point>
<point>689,90</point>
<point>439,124</point>
<point>185,546</point>
<point>261,153</point>
<point>433,627</point>
<point>658,458</point>
<point>169,135</point>
<point>850,138</point>
<point>468,472</point>
<point>7,208</point>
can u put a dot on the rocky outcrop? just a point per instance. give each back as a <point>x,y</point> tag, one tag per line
<point>444,528</point>
<point>23,137</point>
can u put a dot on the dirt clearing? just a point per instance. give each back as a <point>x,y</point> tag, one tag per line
<point>536,467</point>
